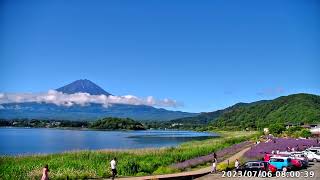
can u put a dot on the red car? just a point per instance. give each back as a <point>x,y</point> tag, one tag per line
<point>296,163</point>
<point>271,168</point>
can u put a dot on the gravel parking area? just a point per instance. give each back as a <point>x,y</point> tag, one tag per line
<point>314,167</point>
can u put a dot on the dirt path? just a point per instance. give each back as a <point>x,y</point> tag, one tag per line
<point>192,174</point>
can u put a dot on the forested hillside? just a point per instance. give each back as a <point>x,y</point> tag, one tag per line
<point>297,108</point>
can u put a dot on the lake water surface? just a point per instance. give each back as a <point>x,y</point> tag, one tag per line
<point>15,141</point>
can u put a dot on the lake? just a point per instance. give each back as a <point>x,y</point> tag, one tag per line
<point>16,141</point>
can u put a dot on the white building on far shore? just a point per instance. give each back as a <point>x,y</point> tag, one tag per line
<point>315,130</point>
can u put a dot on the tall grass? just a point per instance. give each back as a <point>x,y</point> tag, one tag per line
<point>95,164</point>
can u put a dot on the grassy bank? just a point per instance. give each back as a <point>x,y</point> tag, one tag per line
<point>95,164</point>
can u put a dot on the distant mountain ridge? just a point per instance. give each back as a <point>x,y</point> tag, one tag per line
<point>34,110</point>
<point>83,86</point>
<point>295,108</point>
<point>88,113</point>
<point>206,117</point>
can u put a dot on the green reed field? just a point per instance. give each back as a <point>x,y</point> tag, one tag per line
<point>95,164</point>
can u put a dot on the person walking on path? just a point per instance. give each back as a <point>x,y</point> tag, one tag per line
<point>113,164</point>
<point>237,164</point>
<point>214,155</point>
<point>45,171</point>
<point>214,165</point>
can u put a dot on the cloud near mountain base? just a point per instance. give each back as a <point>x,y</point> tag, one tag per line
<point>62,99</point>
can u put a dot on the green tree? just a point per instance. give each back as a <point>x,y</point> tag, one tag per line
<point>276,128</point>
<point>294,131</point>
<point>305,133</point>
<point>111,123</point>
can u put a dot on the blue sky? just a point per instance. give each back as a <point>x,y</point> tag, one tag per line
<point>205,54</point>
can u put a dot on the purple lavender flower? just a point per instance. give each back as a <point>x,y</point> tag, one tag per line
<point>220,155</point>
<point>281,144</point>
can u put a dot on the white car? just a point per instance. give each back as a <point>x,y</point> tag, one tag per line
<point>313,155</point>
<point>284,152</point>
<point>313,149</point>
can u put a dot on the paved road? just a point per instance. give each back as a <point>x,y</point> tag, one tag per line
<point>315,167</point>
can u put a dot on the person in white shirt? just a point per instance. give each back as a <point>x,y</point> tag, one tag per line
<point>214,165</point>
<point>113,165</point>
<point>237,164</point>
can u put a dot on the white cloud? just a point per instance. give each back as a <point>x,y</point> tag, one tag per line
<point>60,98</point>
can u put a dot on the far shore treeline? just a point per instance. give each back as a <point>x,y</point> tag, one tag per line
<point>108,123</point>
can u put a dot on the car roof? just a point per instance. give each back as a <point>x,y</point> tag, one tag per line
<point>279,157</point>
<point>297,154</point>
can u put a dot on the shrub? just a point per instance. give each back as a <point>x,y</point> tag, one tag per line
<point>165,170</point>
<point>222,166</point>
<point>142,174</point>
<point>147,166</point>
<point>276,128</point>
<point>305,133</point>
<point>297,132</point>
<point>292,130</point>
<point>128,167</point>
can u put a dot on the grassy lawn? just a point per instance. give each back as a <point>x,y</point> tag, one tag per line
<point>95,164</point>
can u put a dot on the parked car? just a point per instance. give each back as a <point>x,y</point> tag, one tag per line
<point>257,166</point>
<point>316,147</point>
<point>304,163</point>
<point>285,152</point>
<point>313,155</point>
<point>300,156</point>
<point>269,167</point>
<point>281,163</point>
<point>296,162</point>
<point>313,149</point>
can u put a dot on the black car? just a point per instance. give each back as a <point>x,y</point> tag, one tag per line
<point>255,166</point>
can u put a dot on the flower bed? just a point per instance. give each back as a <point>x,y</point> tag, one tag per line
<point>221,154</point>
<point>281,144</point>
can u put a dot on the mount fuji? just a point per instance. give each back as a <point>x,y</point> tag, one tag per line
<point>92,111</point>
<point>83,86</point>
